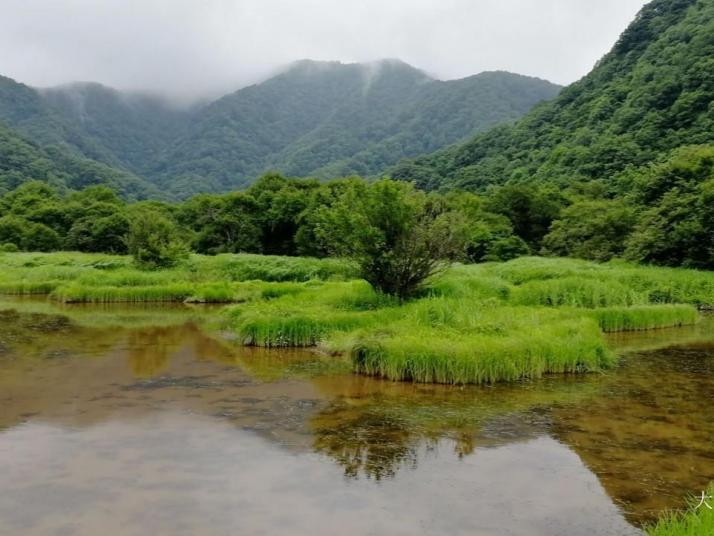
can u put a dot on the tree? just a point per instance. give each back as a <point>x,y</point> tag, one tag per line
<point>595,230</point>
<point>39,237</point>
<point>531,209</point>
<point>222,223</point>
<point>153,239</point>
<point>398,236</point>
<point>12,230</point>
<point>675,226</point>
<point>280,203</point>
<point>489,236</point>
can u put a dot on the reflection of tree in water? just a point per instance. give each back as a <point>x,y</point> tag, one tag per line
<point>376,428</point>
<point>366,442</point>
<point>377,439</point>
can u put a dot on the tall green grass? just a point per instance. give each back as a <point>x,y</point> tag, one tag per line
<point>91,278</point>
<point>694,522</point>
<point>472,324</point>
<point>657,285</point>
<point>458,358</point>
<point>306,316</point>
<point>577,292</point>
<point>645,317</point>
<point>456,341</point>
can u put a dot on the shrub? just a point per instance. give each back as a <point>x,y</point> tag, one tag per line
<point>153,240</point>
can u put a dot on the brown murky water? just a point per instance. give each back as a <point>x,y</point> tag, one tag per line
<point>138,421</point>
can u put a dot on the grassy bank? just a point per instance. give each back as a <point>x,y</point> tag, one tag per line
<point>95,278</point>
<point>472,324</point>
<point>696,521</point>
<point>482,323</point>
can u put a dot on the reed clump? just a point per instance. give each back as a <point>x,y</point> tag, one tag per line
<point>457,357</point>
<point>577,292</point>
<point>645,317</point>
<point>448,340</point>
<point>308,315</point>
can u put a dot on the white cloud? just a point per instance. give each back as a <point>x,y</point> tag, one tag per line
<point>194,47</point>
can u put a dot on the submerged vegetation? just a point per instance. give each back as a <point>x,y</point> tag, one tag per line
<point>470,324</point>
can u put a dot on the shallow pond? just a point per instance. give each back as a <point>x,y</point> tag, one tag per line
<point>140,421</point>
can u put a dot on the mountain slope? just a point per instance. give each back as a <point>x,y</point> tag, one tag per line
<point>22,160</point>
<point>438,114</point>
<point>325,119</point>
<point>653,92</point>
<point>333,119</point>
<point>132,129</point>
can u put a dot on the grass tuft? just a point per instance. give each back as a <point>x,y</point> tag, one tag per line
<point>696,521</point>
<point>645,317</point>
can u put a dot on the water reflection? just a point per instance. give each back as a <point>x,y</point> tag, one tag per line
<point>105,407</point>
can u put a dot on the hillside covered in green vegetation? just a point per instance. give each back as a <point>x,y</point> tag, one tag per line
<point>323,119</point>
<point>22,160</point>
<point>650,94</point>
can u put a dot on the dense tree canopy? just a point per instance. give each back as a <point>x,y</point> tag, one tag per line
<point>652,93</point>
<point>274,216</point>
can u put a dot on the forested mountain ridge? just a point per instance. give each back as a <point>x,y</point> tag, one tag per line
<point>325,119</point>
<point>330,119</point>
<point>131,128</point>
<point>651,93</point>
<point>22,160</point>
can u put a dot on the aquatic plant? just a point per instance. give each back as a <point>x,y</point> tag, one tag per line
<point>450,355</point>
<point>577,292</point>
<point>645,317</point>
<point>697,520</point>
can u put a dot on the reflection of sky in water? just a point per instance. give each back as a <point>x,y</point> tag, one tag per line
<point>176,473</point>
<point>107,420</point>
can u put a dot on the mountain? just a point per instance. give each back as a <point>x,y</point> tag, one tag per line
<point>130,129</point>
<point>653,92</point>
<point>329,119</point>
<point>324,119</point>
<point>22,160</point>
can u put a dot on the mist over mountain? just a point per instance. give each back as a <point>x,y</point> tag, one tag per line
<point>324,119</point>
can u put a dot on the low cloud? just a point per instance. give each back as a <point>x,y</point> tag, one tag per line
<point>192,48</point>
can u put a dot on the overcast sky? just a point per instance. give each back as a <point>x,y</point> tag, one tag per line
<point>202,47</point>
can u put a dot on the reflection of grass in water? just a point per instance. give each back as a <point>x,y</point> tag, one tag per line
<point>41,336</point>
<point>115,315</point>
<point>150,350</point>
<point>34,327</point>
<point>374,427</point>
<point>698,520</point>
<point>279,364</point>
<point>641,341</point>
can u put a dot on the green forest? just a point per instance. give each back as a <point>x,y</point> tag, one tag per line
<point>321,119</point>
<point>649,95</point>
<point>664,218</point>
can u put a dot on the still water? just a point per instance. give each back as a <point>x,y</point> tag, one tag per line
<point>139,421</point>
